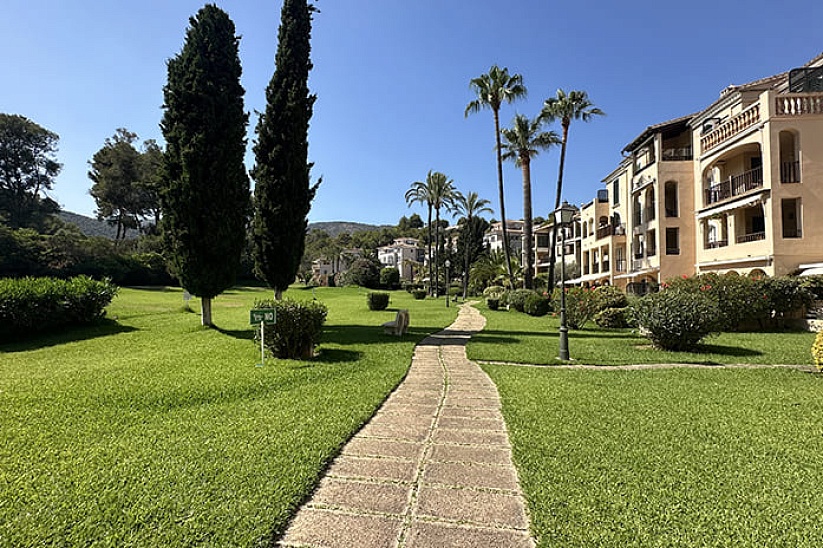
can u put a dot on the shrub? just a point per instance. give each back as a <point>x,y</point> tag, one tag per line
<point>419,294</point>
<point>786,296</point>
<point>377,300</point>
<point>677,320</point>
<point>742,301</point>
<point>581,305</point>
<point>494,291</point>
<point>492,303</point>
<point>517,298</point>
<point>390,278</point>
<point>536,305</point>
<point>298,328</point>
<point>609,296</point>
<point>31,305</point>
<point>817,351</point>
<point>813,284</point>
<point>364,273</point>
<point>612,318</point>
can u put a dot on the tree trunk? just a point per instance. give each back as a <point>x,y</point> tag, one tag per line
<point>278,294</point>
<point>467,238</point>
<point>528,255</point>
<point>431,287</point>
<point>437,252</point>
<point>558,194</point>
<point>205,311</point>
<point>506,251</point>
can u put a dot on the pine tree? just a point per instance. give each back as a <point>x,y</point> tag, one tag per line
<point>205,188</point>
<point>283,191</point>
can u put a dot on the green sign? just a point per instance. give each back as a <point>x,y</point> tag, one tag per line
<point>267,316</point>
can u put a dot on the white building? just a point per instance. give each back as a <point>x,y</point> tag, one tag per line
<point>405,255</point>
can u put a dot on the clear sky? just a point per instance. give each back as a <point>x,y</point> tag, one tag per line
<point>392,78</point>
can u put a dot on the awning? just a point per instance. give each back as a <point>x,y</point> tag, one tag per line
<point>816,271</point>
<point>743,202</point>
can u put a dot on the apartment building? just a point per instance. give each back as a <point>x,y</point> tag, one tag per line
<point>542,245</point>
<point>732,188</point>
<point>404,254</point>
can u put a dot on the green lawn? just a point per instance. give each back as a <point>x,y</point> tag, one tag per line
<point>668,457</point>
<point>149,430</point>
<point>519,338</point>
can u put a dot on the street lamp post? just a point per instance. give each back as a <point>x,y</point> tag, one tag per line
<point>563,218</point>
<point>448,264</point>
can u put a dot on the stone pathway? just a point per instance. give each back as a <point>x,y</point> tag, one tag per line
<point>433,468</point>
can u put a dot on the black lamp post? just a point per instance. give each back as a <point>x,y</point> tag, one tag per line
<point>448,264</point>
<point>562,218</point>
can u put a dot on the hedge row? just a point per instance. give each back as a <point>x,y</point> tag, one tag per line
<point>31,305</point>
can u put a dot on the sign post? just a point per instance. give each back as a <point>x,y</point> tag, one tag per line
<point>264,317</point>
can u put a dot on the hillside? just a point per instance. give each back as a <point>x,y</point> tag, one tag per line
<point>333,228</point>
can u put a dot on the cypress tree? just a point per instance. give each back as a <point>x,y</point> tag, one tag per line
<point>205,188</point>
<point>283,191</point>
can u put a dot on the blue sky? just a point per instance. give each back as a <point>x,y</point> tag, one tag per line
<point>392,81</point>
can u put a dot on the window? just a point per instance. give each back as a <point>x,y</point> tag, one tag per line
<point>672,241</point>
<point>651,243</point>
<point>790,215</point>
<point>670,198</point>
<point>616,192</point>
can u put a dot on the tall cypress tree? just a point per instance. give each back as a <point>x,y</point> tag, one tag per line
<point>283,191</point>
<point>205,188</point>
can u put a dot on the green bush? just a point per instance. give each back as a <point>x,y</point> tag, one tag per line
<point>517,298</point>
<point>377,300</point>
<point>742,301</point>
<point>581,305</point>
<point>419,294</point>
<point>813,284</point>
<point>536,305</point>
<point>786,296</point>
<point>493,303</point>
<point>677,320</point>
<point>612,318</point>
<point>298,328</point>
<point>609,296</point>
<point>363,272</point>
<point>31,305</point>
<point>390,278</point>
<point>494,291</point>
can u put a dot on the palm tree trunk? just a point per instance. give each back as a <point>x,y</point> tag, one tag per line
<point>466,241</point>
<point>437,252</point>
<point>558,194</point>
<point>528,255</point>
<point>506,251</point>
<point>430,249</point>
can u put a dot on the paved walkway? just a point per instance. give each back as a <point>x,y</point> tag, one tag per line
<point>433,467</point>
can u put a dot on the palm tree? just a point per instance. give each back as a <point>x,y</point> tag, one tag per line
<point>469,206</point>
<point>566,107</point>
<point>419,193</point>
<point>523,142</point>
<point>442,192</point>
<point>492,89</point>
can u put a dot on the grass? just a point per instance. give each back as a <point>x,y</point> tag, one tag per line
<point>149,430</point>
<point>520,338</point>
<point>667,457</point>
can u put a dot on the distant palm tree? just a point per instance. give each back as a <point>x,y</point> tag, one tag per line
<point>524,141</point>
<point>469,206</point>
<point>419,193</point>
<point>566,107</point>
<point>492,89</point>
<point>442,192</point>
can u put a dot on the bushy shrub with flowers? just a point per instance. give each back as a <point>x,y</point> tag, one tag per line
<point>786,296</point>
<point>517,298</point>
<point>743,302</point>
<point>581,305</point>
<point>676,319</point>
<point>536,305</point>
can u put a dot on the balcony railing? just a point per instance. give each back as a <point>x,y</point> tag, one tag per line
<point>798,104</point>
<point>595,268</point>
<point>735,186</point>
<point>714,244</point>
<point>585,269</point>
<point>789,172</point>
<point>677,154</point>
<point>605,266</point>
<point>620,265</point>
<point>638,256</point>
<point>672,251</point>
<point>753,237</point>
<point>604,231</point>
<point>651,251</point>
<point>731,127</point>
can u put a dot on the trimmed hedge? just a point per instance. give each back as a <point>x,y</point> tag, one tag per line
<point>677,320</point>
<point>377,300</point>
<point>419,294</point>
<point>298,328</point>
<point>33,305</point>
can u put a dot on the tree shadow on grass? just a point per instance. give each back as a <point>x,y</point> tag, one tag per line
<point>241,334</point>
<point>724,350</point>
<point>101,328</point>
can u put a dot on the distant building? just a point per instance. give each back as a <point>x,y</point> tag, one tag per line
<point>405,254</point>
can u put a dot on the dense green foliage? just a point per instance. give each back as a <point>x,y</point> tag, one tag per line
<point>710,457</point>
<point>298,328</point>
<point>363,272</point>
<point>29,306</point>
<point>27,167</point>
<point>536,305</point>
<point>205,188</point>
<point>678,320</point>
<point>517,298</point>
<point>389,278</point>
<point>581,305</point>
<point>153,431</point>
<point>612,318</point>
<point>493,303</point>
<point>377,300</point>
<point>283,192</point>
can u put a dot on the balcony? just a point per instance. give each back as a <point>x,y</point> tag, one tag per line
<point>714,244</point>
<point>730,128</point>
<point>595,268</point>
<point>798,104</point>
<point>620,265</point>
<point>677,154</point>
<point>604,231</point>
<point>789,172</point>
<point>753,237</point>
<point>735,186</point>
<point>605,266</point>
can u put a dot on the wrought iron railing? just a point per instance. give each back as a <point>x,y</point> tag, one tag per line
<point>789,172</point>
<point>735,186</point>
<point>752,237</point>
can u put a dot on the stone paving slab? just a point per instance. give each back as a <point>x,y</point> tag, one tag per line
<point>432,469</point>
